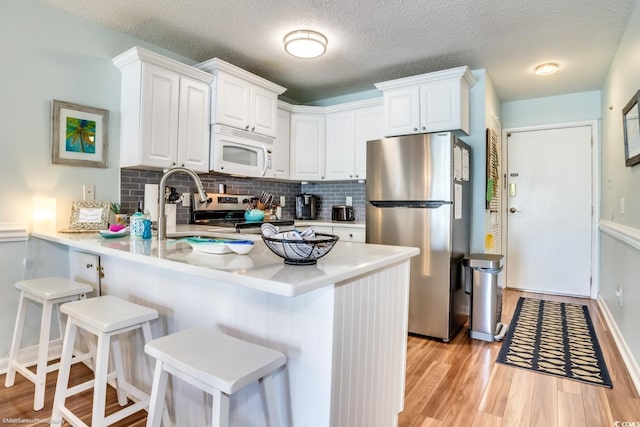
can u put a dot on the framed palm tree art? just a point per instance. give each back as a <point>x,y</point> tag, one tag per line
<point>79,135</point>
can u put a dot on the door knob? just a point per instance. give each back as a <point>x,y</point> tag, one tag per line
<point>513,210</point>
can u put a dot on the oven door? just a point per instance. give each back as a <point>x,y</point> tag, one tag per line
<point>241,153</point>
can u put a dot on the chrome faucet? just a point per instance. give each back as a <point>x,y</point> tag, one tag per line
<point>162,219</point>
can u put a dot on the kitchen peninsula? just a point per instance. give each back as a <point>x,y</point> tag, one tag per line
<point>341,323</point>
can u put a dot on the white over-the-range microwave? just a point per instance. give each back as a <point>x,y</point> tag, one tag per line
<point>238,152</point>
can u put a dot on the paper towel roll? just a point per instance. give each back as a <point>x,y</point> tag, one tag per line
<point>151,200</point>
<point>170,212</point>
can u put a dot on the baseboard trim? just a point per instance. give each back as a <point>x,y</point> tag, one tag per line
<point>29,355</point>
<point>629,361</point>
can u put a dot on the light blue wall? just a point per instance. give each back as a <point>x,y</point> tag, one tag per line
<point>573,107</point>
<point>49,54</point>
<point>619,261</point>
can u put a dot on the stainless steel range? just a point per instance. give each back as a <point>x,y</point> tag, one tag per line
<point>227,210</point>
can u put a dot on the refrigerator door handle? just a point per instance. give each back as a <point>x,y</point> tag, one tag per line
<point>420,204</point>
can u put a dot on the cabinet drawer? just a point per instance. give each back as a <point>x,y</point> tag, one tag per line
<point>350,234</point>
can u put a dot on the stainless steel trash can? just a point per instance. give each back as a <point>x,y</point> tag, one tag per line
<point>483,273</point>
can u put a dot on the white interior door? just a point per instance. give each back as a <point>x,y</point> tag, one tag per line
<point>549,208</point>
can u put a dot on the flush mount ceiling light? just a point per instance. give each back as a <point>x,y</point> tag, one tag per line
<point>305,43</point>
<point>546,69</point>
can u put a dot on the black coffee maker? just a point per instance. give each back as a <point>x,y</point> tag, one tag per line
<point>306,206</point>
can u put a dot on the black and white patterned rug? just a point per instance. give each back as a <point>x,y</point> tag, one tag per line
<point>554,338</point>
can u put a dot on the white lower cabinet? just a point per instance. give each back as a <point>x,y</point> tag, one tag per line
<point>346,233</point>
<point>350,234</point>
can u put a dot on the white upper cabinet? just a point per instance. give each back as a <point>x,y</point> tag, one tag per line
<point>307,161</point>
<point>432,102</point>
<point>241,99</point>
<point>369,122</point>
<point>340,145</point>
<point>347,134</point>
<point>281,145</point>
<point>165,112</point>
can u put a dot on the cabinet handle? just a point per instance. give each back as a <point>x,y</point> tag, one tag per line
<point>350,176</point>
<point>415,129</point>
<point>322,177</point>
<point>253,128</point>
<point>173,163</point>
<point>89,266</point>
<point>424,128</point>
<point>246,127</point>
<point>351,235</point>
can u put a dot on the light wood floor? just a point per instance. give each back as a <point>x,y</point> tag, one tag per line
<point>453,384</point>
<point>459,384</point>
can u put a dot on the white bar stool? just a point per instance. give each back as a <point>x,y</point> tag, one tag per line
<point>47,291</point>
<point>215,363</point>
<point>106,317</point>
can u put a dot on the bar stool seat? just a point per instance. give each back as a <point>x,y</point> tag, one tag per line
<point>47,291</point>
<point>215,363</point>
<point>106,317</point>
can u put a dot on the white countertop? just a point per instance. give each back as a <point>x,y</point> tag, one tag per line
<point>260,269</point>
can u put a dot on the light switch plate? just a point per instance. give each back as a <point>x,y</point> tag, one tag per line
<point>88,192</point>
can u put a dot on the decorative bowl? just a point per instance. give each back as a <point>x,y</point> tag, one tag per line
<point>254,215</point>
<point>301,252</point>
<point>220,246</point>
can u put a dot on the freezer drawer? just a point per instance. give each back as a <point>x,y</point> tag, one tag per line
<point>431,298</point>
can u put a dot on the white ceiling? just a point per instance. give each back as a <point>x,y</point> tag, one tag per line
<point>377,40</point>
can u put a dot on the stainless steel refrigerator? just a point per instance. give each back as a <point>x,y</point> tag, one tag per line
<point>419,194</point>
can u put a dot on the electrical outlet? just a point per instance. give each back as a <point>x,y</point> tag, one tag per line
<point>282,200</point>
<point>349,201</point>
<point>88,192</point>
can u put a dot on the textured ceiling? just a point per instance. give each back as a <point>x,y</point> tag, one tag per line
<point>377,40</point>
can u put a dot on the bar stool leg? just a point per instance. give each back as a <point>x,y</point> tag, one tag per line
<point>158,391</point>
<point>100,384</point>
<point>147,337</point>
<point>269,390</point>
<point>220,416</point>
<point>43,355</point>
<point>64,370</point>
<point>119,367</point>
<point>16,341</point>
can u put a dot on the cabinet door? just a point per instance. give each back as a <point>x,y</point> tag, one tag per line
<point>307,147</point>
<point>159,127</point>
<point>281,146</point>
<point>402,111</point>
<point>440,106</point>
<point>368,127</point>
<point>264,107</point>
<point>340,150</point>
<point>193,128</point>
<point>350,234</point>
<point>233,97</point>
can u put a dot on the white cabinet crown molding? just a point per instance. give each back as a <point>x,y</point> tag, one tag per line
<point>217,64</point>
<point>372,102</point>
<point>137,54</point>
<point>454,73</point>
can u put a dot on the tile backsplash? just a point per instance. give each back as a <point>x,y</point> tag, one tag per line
<point>132,184</point>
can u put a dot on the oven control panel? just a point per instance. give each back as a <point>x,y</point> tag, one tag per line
<point>221,202</point>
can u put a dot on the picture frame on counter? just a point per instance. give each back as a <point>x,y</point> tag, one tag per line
<point>80,135</point>
<point>89,216</point>
<point>631,125</point>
